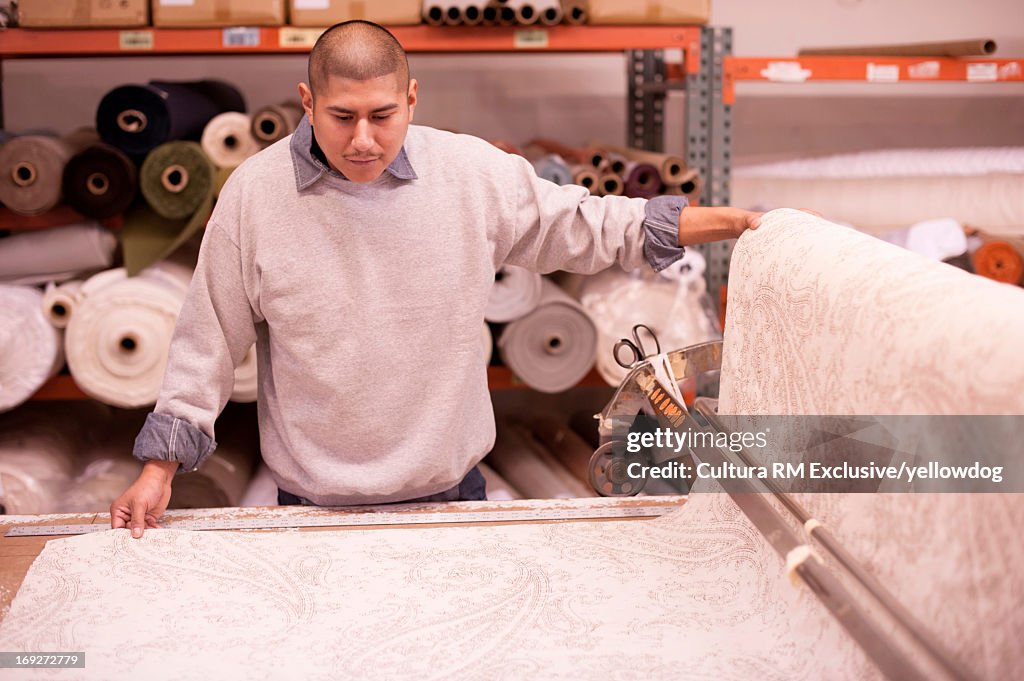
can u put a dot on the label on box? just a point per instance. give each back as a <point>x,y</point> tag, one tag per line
<point>290,36</point>
<point>135,40</point>
<point>177,3</point>
<point>311,4</point>
<point>983,72</point>
<point>883,73</point>
<point>530,39</point>
<point>924,70</point>
<point>241,37</point>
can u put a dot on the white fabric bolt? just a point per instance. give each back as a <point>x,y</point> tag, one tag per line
<point>30,347</point>
<point>516,292</point>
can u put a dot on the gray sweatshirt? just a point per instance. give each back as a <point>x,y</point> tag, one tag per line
<point>366,304</point>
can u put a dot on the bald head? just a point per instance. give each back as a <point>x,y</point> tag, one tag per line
<point>357,50</point>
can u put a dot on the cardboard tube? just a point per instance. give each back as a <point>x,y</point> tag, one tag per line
<point>585,176</point>
<point>979,47</point>
<point>672,168</point>
<point>610,184</point>
<point>433,15</point>
<point>574,12</point>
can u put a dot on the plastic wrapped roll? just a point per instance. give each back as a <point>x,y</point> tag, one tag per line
<point>246,386</point>
<point>138,118</point>
<point>59,302</point>
<point>531,470</point>
<point>498,488</point>
<point>277,121</point>
<point>30,347</point>
<point>36,462</point>
<point>117,340</point>
<point>672,168</point>
<point>553,347</point>
<point>100,181</point>
<point>1000,261</point>
<point>32,170</point>
<point>553,168</point>
<point>177,181</point>
<point>227,139</point>
<point>516,292</point>
<point>642,180</point>
<point>55,254</point>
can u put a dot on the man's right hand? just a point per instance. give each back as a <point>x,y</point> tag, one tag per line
<point>146,500</point>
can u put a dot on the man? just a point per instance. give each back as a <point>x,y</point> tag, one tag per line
<point>358,255</point>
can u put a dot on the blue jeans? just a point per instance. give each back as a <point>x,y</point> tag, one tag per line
<point>472,488</point>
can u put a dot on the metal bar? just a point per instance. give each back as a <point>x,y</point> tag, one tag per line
<point>645,113</point>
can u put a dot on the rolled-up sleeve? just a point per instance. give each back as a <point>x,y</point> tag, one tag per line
<point>661,231</point>
<point>166,438</point>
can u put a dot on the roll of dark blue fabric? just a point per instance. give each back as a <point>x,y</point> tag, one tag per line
<point>138,118</point>
<point>100,181</point>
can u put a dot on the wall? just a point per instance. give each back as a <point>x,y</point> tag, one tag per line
<point>581,97</point>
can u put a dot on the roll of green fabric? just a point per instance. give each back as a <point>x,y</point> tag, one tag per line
<point>176,178</point>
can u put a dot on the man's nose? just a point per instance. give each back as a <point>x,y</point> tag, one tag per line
<point>362,140</point>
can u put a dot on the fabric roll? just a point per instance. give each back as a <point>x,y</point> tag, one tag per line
<point>36,460</point>
<point>246,386</point>
<point>498,488</point>
<point>32,170</point>
<point>552,348</point>
<point>516,292</point>
<point>118,337</point>
<point>999,260</point>
<point>55,254</point>
<point>574,11</point>
<point>105,467</point>
<point>177,181</point>
<point>542,146</point>
<point>568,448</point>
<point>261,490</point>
<point>672,168</point>
<point>224,477</point>
<point>139,118</point>
<point>610,184</point>
<point>689,187</point>
<point>930,339</point>
<point>642,180</point>
<point>227,139</point>
<point>59,302</point>
<point>100,181</point>
<point>979,47</point>
<point>30,347</point>
<point>585,176</point>
<point>529,468</point>
<point>277,121</point>
<point>220,178</point>
<point>553,168</point>
<point>939,239</point>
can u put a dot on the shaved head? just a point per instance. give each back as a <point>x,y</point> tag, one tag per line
<point>357,50</point>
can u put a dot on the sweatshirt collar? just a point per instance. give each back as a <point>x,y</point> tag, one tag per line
<point>310,164</point>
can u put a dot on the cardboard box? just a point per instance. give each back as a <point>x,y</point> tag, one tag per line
<point>324,13</point>
<point>649,11</point>
<point>83,13</point>
<point>190,13</point>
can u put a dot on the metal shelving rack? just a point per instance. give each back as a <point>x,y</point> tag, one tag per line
<point>705,124</point>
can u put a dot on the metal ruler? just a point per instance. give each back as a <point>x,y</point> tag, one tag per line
<point>368,520</point>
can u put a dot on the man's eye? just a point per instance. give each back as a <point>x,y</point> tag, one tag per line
<point>381,117</point>
<point>344,119</point>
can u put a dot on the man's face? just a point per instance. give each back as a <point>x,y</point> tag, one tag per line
<point>360,124</point>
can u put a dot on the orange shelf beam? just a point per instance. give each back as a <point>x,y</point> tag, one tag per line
<point>868,70</point>
<point>23,43</point>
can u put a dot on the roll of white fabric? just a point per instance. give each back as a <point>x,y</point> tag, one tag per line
<point>896,163</point>
<point>553,347</point>
<point>516,292</point>
<point>498,488</point>
<point>245,389</point>
<point>227,139</point>
<point>30,347</point>
<point>529,469</point>
<point>105,465</point>
<point>55,254</point>
<point>262,489</point>
<point>59,301</point>
<point>36,461</point>
<point>118,338</point>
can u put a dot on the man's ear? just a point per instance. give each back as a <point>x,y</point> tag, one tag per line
<point>306,95</point>
<point>413,87</point>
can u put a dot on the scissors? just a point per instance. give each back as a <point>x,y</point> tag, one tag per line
<point>636,347</point>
